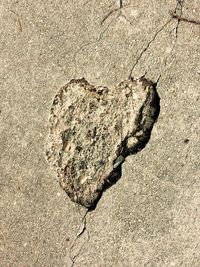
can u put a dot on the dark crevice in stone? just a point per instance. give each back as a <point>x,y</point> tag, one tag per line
<point>148,111</point>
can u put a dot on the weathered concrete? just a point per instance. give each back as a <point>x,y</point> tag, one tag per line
<point>150,217</point>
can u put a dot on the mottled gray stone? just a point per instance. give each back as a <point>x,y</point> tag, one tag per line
<point>92,130</point>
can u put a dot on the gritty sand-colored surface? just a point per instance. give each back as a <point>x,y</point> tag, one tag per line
<point>151,216</point>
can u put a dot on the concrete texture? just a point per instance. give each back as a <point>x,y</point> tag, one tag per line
<point>151,216</point>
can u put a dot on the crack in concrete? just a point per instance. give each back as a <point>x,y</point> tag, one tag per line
<point>148,45</point>
<point>81,231</point>
<point>18,20</point>
<point>88,1</point>
<point>174,14</point>
<point>108,15</point>
<point>120,3</point>
<point>178,11</point>
<point>197,22</point>
<point>87,44</point>
<point>124,16</point>
<point>120,8</point>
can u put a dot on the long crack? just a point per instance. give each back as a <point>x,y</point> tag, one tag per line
<point>175,14</point>
<point>178,11</point>
<point>194,21</point>
<point>120,9</point>
<point>121,3</point>
<point>81,231</point>
<point>90,43</point>
<point>148,45</point>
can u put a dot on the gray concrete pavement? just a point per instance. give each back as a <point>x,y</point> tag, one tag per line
<point>151,216</point>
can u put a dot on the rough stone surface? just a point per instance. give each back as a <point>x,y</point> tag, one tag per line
<point>151,216</point>
<point>92,131</point>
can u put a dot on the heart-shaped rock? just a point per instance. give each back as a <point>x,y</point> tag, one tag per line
<point>92,130</point>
